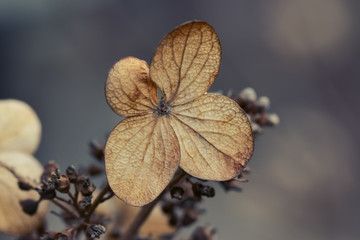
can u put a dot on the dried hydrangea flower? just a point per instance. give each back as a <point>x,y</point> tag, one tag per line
<point>20,131</point>
<point>207,135</point>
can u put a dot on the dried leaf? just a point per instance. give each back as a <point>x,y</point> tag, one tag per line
<point>142,154</point>
<point>20,128</point>
<point>13,220</point>
<point>186,62</point>
<point>215,137</point>
<point>129,90</point>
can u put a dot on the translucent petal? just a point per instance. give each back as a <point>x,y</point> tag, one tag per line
<point>186,62</point>
<point>129,90</point>
<point>20,127</point>
<point>141,156</point>
<point>215,137</point>
<point>13,220</point>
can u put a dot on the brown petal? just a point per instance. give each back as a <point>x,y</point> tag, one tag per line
<point>215,137</point>
<point>186,62</point>
<point>129,90</point>
<point>13,220</point>
<point>20,127</point>
<point>141,156</point>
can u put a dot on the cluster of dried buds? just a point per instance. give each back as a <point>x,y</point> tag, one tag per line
<point>78,208</point>
<point>256,108</point>
<point>180,205</point>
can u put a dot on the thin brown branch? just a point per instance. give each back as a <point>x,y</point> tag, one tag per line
<point>145,211</point>
<point>74,202</point>
<point>63,200</point>
<point>99,199</point>
<point>65,208</point>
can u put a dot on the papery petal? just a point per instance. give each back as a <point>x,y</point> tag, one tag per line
<point>141,156</point>
<point>215,137</point>
<point>186,62</point>
<point>13,220</point>
<point>129,90</point>
<point>20,127</point>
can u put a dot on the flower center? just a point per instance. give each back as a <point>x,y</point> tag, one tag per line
<point>163,109</point>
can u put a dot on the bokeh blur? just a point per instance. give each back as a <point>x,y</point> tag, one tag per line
<point>303,54</point>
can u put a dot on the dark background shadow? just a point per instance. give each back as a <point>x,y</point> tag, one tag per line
<point>304,55</point>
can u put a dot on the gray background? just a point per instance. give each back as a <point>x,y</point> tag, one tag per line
<point>303,54</point>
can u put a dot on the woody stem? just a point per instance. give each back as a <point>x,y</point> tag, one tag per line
<point>145,211</point>
<point>99,199</point>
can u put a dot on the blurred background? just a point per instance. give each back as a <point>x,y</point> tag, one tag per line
<point>304,55</point>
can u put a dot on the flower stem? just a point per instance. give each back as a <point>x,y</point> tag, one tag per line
<point>65,208</point>
<point>99,199</point>
<point>147,209</point>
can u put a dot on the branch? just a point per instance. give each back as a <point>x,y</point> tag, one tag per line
<point>99,199</point>
<point>65,208</point>
<point>147,209</point>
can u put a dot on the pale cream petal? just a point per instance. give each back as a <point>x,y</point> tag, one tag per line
<point>186,62</point>
<point>129,90</point>
<point>13,220</point>
<point>215,137</point>
<point>20,127</point>
<point>141,156</point>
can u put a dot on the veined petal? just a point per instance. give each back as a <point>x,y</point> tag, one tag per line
<point>141,156</point>
<point>20,127</point>
<point>129,90</point>
<point>186,62</point>
<point>215,137</point>
<point>13,220</point>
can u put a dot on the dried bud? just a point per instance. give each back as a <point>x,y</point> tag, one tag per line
<point>97,150</point>
<point>273,119</point>
<point>203,233</point>
<point>201,190</point>
<point>248,94</point>
<point>24,185</point>
<point>63,184</point>
<point>255,128</point>
<point>47,191</point>
<point>84,186</point>
<point>263,102</point>
<point>72,173</point>
<point>62,236</point>
<point>29,206</point>
<point>49,168</point>
<point>190,216</point>
<point>94,170</point>
<point>261,118</point>
<point>167,207</point>
<point>85,203</point>
<point>177,193</point>
<point>47,194</point>
<point>95,231</point>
